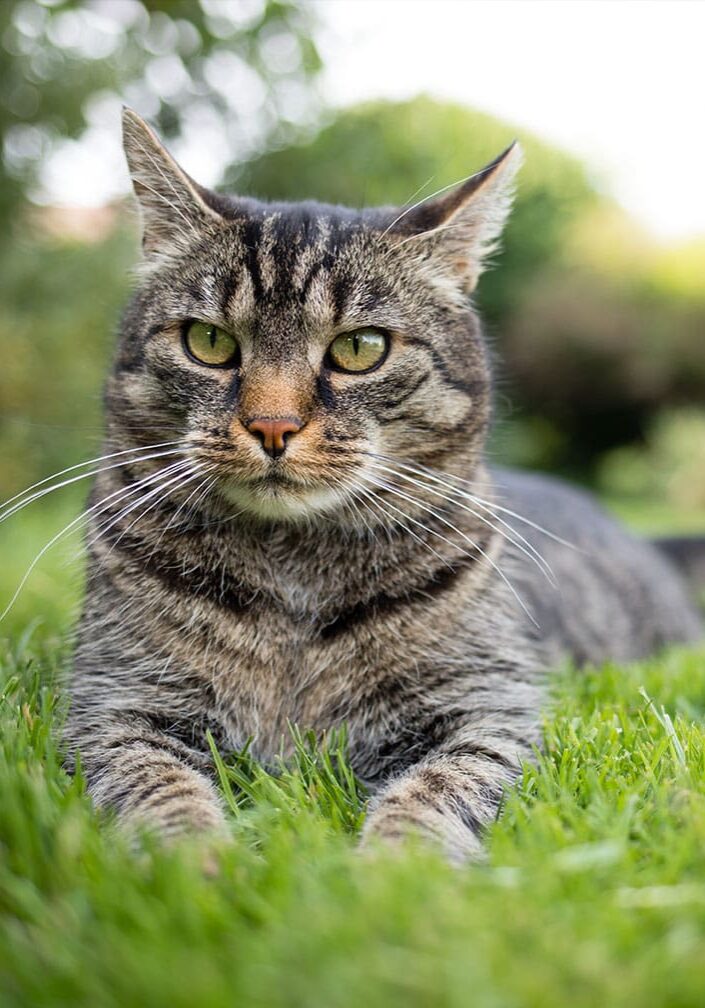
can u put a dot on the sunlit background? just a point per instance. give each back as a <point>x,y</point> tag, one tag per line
<point>596,308</point>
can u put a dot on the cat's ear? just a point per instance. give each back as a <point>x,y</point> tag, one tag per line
<point>465,223</point>
<point>171,206</point>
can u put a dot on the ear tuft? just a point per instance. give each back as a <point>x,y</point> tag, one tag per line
<point>466,223</point>
<point>171,208</point>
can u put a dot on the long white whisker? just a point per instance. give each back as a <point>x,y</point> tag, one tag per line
<point>124,493</point>
<point>162,480</point>
<point>528,550</point>
<point>181,482</point>
<point>490,505</point>
<point>354,502</point>
<point>431,196</point>
<point>165,489</point>
<point>474,545</point>
<point>204,487</point>
<point>81,465</point>
<point>94,508</point>
<point>383,507</point>
<point>426,234</point>
<point>75,479</point>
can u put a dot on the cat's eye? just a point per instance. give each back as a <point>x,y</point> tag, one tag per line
<point>359,350</point>
<point>209,345</point>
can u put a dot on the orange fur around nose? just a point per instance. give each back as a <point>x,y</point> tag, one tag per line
<point>273,396</point>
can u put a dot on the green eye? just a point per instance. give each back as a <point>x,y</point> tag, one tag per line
<point>210,345</point>
<point>360,350</point>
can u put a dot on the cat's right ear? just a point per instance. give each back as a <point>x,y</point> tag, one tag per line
<point>171,207</point>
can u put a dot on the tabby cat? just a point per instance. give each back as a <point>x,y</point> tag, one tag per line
<point>295,523</point>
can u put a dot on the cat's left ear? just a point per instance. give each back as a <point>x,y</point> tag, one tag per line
<point>465,223</point>
<point>171,204</point>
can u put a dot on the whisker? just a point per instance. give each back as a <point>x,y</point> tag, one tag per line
<point>166,489</point>
<point>528,549</point>
<point>80,465</point>
<point>388,504</point>
<point>425,507</point>
<point>98,508</point>
<point>208,481</point>
<point>131,490</point>
<point>162,480</point>
<point>426,234</point>
<point>354,504</point>
<point>426,199</point>
<point>490,505</point>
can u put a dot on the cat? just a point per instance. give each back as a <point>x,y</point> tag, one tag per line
<point>301,527</point>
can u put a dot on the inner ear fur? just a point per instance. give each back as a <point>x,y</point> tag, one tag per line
<point>466,222</point>
<point>170,202</point>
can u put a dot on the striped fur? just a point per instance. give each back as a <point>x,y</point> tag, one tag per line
<point>367,577</point>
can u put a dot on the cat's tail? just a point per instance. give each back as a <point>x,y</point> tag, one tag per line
<point>687,553</point>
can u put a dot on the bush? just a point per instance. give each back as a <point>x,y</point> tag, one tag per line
<point>669,467</point>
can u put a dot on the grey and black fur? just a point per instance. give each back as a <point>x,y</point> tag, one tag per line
<point>375,573</point>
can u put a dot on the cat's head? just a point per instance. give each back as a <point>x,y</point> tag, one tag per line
<point>297,348</point>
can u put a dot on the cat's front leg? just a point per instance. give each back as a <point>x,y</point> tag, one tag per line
<point>146,775</point>
<point>452,795</point>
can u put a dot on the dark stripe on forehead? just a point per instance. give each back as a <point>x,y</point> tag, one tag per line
<point>227,289</point>
<point>341,289</point>
<point>251,237</point>
<point>308,280</point>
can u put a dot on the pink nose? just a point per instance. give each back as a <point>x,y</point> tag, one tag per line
<point>273,434</point>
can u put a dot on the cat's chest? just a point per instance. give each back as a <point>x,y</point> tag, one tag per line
<point>319,646</point>
<point>277,669</point>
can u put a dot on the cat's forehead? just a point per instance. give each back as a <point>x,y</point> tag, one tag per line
<point>294,259</point>
<point>298,224</point>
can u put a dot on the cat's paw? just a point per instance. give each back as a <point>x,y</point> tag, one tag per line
<point>391,828</point>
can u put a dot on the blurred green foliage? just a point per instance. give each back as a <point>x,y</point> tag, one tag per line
<point>60,304</point>
<point>669,468</point>
<point>245,69</point>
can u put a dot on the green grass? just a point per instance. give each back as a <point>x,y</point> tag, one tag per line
<point>594,893</point>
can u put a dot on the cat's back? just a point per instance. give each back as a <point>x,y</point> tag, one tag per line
<point>616,596</point>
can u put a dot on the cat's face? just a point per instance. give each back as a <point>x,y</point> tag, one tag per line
<point>295,348</point>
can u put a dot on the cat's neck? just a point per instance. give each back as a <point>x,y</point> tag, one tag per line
<point>326,563</point>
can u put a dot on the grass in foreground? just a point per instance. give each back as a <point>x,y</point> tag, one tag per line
<point>594,893</point>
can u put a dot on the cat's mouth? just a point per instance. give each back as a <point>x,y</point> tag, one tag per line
<point>276,495</point>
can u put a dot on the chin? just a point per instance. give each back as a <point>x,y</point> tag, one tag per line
<point>280,502</point>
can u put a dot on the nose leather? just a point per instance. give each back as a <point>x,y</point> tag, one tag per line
<point>273,433</point>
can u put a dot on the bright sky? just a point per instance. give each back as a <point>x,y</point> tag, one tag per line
<point>619,82</point>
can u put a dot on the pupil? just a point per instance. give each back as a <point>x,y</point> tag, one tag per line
<point>356,344</point>
<point>211,336</point>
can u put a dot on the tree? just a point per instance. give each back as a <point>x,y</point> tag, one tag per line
<point>237,76</point>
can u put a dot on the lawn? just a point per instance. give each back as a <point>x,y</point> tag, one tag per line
<point>593,893</point>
